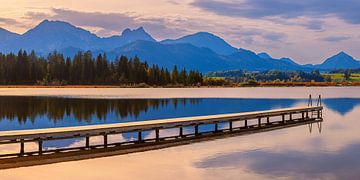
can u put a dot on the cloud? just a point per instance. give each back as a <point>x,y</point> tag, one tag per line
<point>314,25</point>
<point>7,21</point>
<point>108,21</point>
<point>30,15</point>
<point>106,24</point>
<point>335,38</point>
<point>311,24</point>
<point>273,36</point>
<point>347,10</point>
<point>343,164</point>
<point>12,22</point>
<point>254,36</point>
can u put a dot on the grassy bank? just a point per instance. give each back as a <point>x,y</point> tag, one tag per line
<point>354,77</point>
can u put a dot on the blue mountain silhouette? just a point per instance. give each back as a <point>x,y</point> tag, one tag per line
<point>203,51</point>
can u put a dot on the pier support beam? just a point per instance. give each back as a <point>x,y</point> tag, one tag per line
<point>216,127</point>
<point>283,118</point>
<point>196,129</point>
<point>139,136</point>
<point>246,123</point>
<point>40,143</point>
<point>259,122</point>
<point>157,135</point>
<point>105,140</point>
<point>230,125</point>
<point>22,147</point>
<point>268,120</point>
<point>87,142</point>
<point>181,131</point>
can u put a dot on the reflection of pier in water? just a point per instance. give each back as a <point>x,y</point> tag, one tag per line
<point>187,130</point>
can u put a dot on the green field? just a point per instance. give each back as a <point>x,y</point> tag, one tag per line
<point>340,77</point>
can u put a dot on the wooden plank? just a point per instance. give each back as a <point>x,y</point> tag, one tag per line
<point>53,132</point>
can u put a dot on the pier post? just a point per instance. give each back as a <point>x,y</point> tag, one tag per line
<point>290,116</point>
<point>139,136</point>
<point>196,129</point>
<point>283,118</point>
<point>40,143</point>
<point>268,120</point>
<point>318,114</point>
<point>216,127</point>
<point>302,115</point>
<point>87,142</point>
<point>157,135</point>
<point>259,122</point>
<point>230,125</point>
<point>22,147</point>
<point>181,133</point>
<point>307,114</point>
<point>105,140</point>
<point>246,123</point>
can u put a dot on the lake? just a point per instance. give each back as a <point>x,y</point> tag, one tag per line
<point>330,150</point>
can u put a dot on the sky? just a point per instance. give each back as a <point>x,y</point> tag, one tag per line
<point>307,31</point>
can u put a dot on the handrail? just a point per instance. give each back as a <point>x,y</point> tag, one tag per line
<point>310,101</point>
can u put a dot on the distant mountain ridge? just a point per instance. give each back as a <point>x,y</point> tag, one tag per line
<point>6,36</point>
<point>203,51</point>
<point>57,35</point>
<point>340,60</point>
<point>205,40</point>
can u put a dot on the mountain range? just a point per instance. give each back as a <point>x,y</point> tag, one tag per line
<point>202,51</point>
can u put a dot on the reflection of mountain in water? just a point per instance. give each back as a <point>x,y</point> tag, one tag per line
<point>341,105</point>
<point>63,143</point>
<point>134,135</point>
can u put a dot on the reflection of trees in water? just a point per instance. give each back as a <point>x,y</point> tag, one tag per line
<point>24,108</point>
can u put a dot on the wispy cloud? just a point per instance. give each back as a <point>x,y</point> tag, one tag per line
<point>7,20</point>
<point>105,24</point>
<point>13,22</point>
<point>344,9</point>
<point>335,38</point>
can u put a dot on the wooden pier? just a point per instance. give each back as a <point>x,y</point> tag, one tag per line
<point>218,126</point>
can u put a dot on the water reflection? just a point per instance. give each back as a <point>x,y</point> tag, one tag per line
<point>342,105</point>
<point>342,164</point>
<point>19,112</point>
<point>292,153</point>
<point>43,112</point>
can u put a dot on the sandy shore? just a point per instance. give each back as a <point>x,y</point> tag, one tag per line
<point>262,92</point>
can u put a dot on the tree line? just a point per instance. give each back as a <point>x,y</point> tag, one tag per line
<point>84,69</point>
<point>343,71</point>
<point>269,76</point>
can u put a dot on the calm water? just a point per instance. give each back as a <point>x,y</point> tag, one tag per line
<point>329,151</point>
<point>18,113</point>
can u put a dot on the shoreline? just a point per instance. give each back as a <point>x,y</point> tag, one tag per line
<point>168,93</point>
<point>241,85</point>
